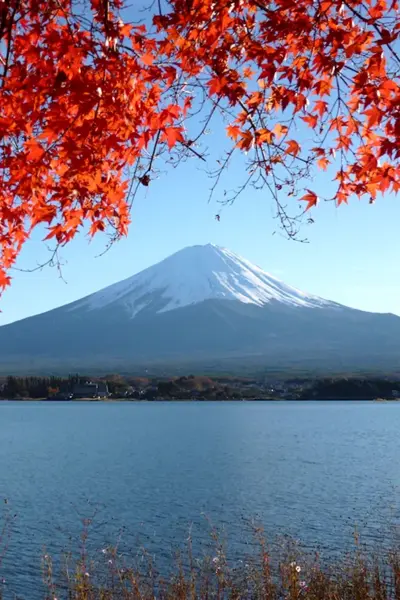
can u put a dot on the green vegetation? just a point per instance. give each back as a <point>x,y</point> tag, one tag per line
<point>183,388</point>
<point>352,388</point>
<point>31,387</point>
<point>203,387</point>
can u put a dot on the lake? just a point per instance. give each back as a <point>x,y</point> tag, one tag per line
<point>311,470</point>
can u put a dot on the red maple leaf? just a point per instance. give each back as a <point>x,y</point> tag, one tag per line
<point>311,198</point>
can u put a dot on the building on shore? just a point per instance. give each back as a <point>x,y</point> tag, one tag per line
<point>90,389</point>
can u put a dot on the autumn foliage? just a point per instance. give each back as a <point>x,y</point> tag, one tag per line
<point>91,98</point>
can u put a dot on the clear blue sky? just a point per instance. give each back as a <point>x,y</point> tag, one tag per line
<point>352,256</point>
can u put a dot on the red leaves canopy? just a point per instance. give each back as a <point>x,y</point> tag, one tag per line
<point>89,102</point>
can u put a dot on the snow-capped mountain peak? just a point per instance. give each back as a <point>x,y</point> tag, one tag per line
<point>207,309</point>
<point>195,274</point>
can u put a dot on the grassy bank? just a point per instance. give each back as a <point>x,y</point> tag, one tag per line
<point>284,573</point>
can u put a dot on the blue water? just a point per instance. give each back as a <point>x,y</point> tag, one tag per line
<point>148,471</point>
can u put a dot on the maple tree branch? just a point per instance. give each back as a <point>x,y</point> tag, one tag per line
<point>106,23</point>
<point>60,6</point>
<point>132,195</point>
<point>239,191</point>
<point>159,7</point>
<point>374,25</point>
<point>153,154</point>
<point>9,42</point>
<point>287,222</point>
<point>3,20</point>
<point>189,147</point>
<point>218,173</point>
<point>54,261</point>
<point>80,109</point>
<point>206,122</point>
<point>254,127</point>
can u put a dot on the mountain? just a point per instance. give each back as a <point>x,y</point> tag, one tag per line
<point>203,306</point>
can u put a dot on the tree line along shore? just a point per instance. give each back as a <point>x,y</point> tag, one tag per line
<point>198,387</point>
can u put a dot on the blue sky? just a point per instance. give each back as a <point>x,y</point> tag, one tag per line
<point>351,258</point>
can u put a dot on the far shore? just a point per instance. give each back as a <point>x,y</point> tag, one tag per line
<point>141,400</point>
<point>196,400</point>
<point>199,388</point>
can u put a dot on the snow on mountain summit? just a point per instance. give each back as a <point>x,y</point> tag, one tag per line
<point>195,274</point>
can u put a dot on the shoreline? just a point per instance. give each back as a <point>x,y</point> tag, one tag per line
<point>197,400</point>
<point>197,388</point>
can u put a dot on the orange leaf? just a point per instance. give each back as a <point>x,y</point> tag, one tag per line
<point>323,163</point>
<point>264,135</point>
<point>5,280</point>
<point>311,198</point>
<point>246,141</point>
<point>321,107</point>
<point>233,131</point>
<point>215,85</point>
<point>248,73</point>
<point>292,147</point>
<point>126,30</point>
<point>187,105</point>
<point>95,227</point>
<point>54,232</point>
<point>148,59</point>
<point>311,120</point>
<point>280,130</point>
<point>341,198</point>
<point>35,150</point>
<point>173,135</point>
<point>73,223</point>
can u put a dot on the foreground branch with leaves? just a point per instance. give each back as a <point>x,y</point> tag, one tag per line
<point>91,99</point>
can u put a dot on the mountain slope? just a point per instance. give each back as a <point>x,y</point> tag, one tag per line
<point>201,305</point>
<point>196,274</point>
